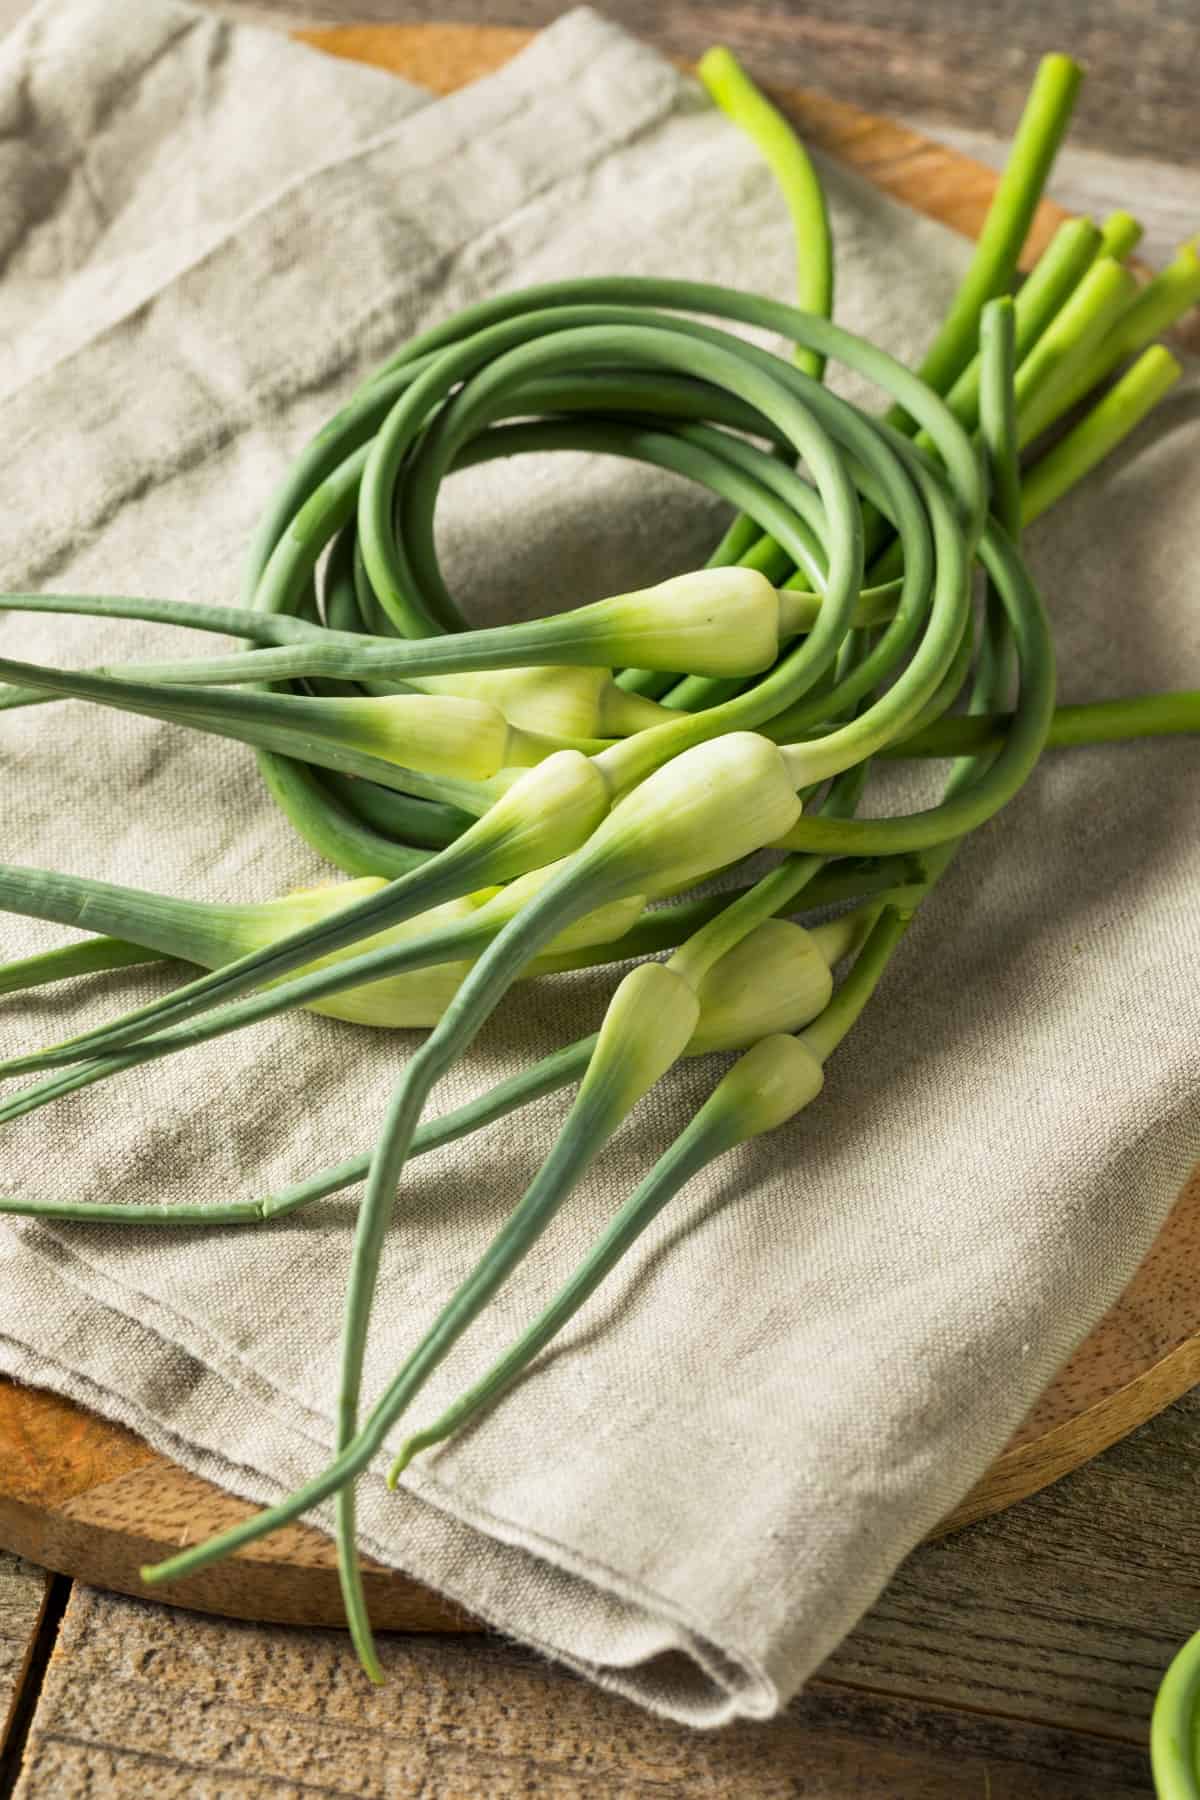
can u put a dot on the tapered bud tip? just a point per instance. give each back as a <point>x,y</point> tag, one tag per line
<point>649,1021</point>
<point>546,814</point>
<point>767,1086</point>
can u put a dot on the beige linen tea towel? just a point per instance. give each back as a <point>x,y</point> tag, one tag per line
<point>211,235</point>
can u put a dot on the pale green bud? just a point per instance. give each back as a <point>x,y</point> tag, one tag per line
<point>547,812</point>
<point>417,997</point>
<point>649,1021</point>
<point>775,979</point>
<point>709,622</point>
<point>707,808</point>
<point>554,700</point>
<point>765,1088</point>
<point>436,734</point>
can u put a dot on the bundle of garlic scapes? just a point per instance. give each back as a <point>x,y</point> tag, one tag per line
<point>512,802</point>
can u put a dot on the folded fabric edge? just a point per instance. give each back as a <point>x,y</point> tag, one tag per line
<point>654,1657</point>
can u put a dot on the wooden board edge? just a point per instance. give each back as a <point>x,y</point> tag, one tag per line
<point>291,1584</point>
<point>1026,1468</point>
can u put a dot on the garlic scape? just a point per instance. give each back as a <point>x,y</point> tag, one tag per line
<point>426,957</point>
<point>542,817</point>
<point>709,622</point>
<point>91,956</point>
<point>769,1084</point>
<point>535,791</point>
<point>778,978</point>
<point>381,738</point>
<point>711,805</point>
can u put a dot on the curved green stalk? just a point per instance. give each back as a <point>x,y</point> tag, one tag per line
<point>998,410</point>
<point>962,812</point>
<point>747,1101</point>
<point>792,168</point>
<point>547,1076</point>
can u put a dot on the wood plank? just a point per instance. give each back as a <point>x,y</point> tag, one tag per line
<point>141,1698</point>
<point>1065,1610</point>
<point>23,1590</point>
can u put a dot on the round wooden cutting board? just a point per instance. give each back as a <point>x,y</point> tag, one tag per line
<point>89,1499</point>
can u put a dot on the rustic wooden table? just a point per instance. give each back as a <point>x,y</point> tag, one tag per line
<point>1017,1657</point>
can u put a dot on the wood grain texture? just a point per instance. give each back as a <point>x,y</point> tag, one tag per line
<point>965,61</point>
<point>142,1699</point>
<point>1019,1657</point>
<point>22,1596</point>
<point>90,1500</point>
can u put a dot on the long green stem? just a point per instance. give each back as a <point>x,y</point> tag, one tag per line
<point>792,168</point>
<point>1088,723</point>
<point>1154,309</point>
<point>1051,282</point>
<point>555,907</point>
<point>994,263</point>
<point>1114,416</point>
<point>558,1070</point>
